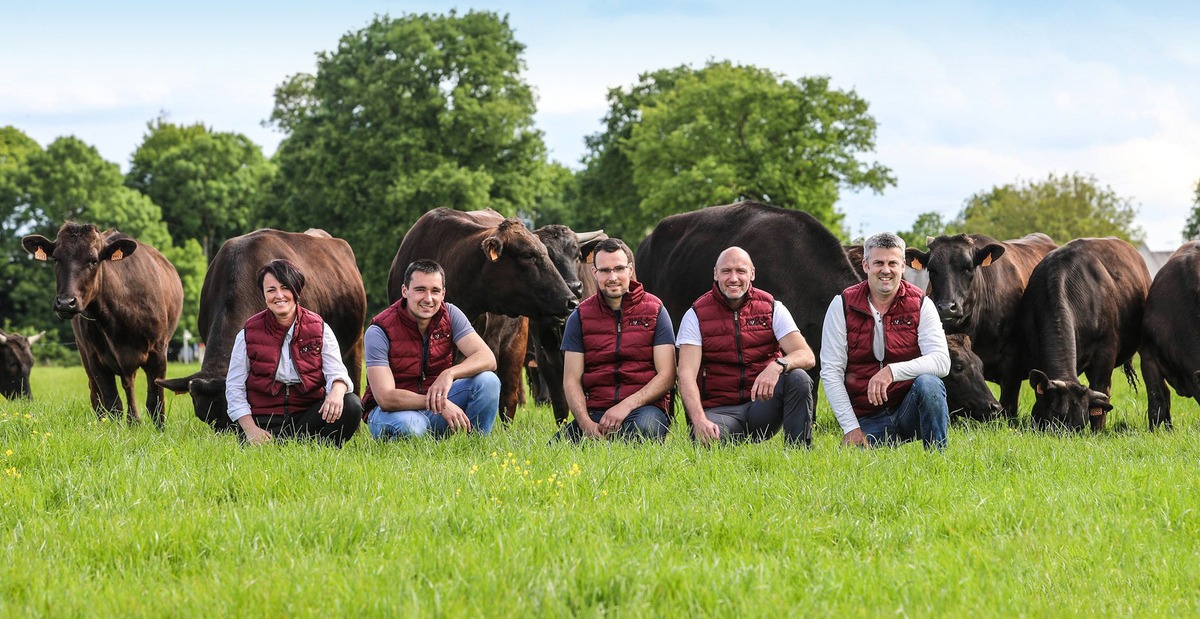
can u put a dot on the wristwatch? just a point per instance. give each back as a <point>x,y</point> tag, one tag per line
<point>782,363</point>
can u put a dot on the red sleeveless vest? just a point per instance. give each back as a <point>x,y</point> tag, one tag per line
<point>264,339</point>
<point>900,342</point>
<point>415,361</point>
<point>618,357</point>
<point>736,345</point>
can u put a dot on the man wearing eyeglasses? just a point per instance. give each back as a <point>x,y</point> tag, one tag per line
<point>742,360</point>
<point>618,355</point>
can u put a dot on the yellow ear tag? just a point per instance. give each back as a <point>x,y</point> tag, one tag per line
<point>40,254</point>
<point>916,264</point>
<point>117,255</point>
<point>986,261</point>
<point>493,254</point>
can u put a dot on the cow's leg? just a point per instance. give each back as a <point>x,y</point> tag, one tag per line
<point>1158,397</point>
<point>128,383</point>
<point>1100,380</point>
<point>106,385</point>
<point>1010,393</point>
<point>550,363</point>
<point>155,368</point>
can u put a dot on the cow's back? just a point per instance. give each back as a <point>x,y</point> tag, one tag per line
<point>796,259</point>
<point>447,236</point>
<point>333,288</point>
<point>1171,324</point>
<point>1090,293</point>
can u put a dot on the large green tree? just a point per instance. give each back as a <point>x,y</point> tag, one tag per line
<point>207,183</point>
<point>927,224</point>
<point>685,138</point>
<point>69,180</point>
<point>406,115</point>
<point>1064,207</point>
<point>1192,229</point>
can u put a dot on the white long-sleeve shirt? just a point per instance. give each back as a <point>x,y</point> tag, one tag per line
<point>239,367</point>
<point>934,359</point>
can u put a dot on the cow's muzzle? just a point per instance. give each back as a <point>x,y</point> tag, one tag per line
<point>66,307</point>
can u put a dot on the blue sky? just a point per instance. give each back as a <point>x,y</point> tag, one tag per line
<point>967,94</point>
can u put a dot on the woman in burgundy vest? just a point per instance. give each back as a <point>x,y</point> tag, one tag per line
<point>286,377</point>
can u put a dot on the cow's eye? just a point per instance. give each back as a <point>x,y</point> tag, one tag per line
<point>93,262</point>
<point>957,368</point>
<point>531,257</point>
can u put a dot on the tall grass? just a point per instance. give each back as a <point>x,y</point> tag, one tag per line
<point>100,519</point>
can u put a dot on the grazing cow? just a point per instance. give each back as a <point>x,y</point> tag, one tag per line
<point>16,361</point>
<point>498,273</point>
<point>796,258</point>
<point>976,282</point>
<point>1081,314</point>
<point>124,299</point>
<point>1170,349</point>
<point>967,393</point>
<point>231,294</point>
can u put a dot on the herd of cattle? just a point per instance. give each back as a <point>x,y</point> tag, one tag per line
<point>1017,310</point>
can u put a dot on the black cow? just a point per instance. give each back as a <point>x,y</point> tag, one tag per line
<point>231,294</point>
<point>124,299</point>
<point>16,361</point>
<point>1170,349</point>
<point>967,393</point>
<point>976,282</point>
<point>1081,314</point>
<point>796,259</point>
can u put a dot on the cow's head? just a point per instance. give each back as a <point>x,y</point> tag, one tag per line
<point>16,361</point>
<point>568,250</point>
<point>1066,403</point>
<point>519,277</point>
<point>952,263</point>
<point>79,254</point>
<point>967,393</point>
<point>208,394</point>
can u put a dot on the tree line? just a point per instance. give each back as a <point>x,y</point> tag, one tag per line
<point>429,110</point>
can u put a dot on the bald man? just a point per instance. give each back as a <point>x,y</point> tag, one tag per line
<point>742,362</point>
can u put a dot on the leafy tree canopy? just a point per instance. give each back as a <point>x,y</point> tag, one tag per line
<point>926,225</point>
<point>1064,207</point>
<point>1192,229</point>
<point>406,115</point>
<point>686,138</point>
<point>208,184</point>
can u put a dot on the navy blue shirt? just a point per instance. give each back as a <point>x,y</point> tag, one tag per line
<point>664,331</point>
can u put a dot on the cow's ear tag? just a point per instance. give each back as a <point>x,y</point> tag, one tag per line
<point>916,264</point>
<point>1096,412</point>
<point>493,254</point>
<point>1040,390</point>
<point>117,255</point>
<point>588,258</point>
<point>986,261</point>
<point>40,254</point>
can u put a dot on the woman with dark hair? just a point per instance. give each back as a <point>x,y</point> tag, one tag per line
<point>286,377</point>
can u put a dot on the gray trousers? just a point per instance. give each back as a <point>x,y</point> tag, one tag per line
<point>790,409</point>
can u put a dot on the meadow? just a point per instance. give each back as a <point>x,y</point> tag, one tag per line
<point>101,519</point>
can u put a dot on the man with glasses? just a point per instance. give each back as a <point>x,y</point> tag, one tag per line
<point>618,355</point>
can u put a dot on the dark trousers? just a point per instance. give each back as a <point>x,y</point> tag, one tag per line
<point>307,423</point>
<point>790,408</point>
<point>645,423</point>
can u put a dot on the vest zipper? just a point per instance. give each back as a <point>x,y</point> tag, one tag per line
<point>617,365</point>
<point>424,364</point>
<point>737,339</point>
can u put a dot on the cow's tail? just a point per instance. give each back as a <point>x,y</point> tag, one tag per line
<point>1130,375</point>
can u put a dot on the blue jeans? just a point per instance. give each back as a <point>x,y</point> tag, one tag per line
<point>478,396</point>
<point>923,413</point>
<point>646,423</point>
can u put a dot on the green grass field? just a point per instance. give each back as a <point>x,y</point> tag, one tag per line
<point>102,519</point>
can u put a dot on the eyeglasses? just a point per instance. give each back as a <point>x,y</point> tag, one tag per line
<point>619,270</point>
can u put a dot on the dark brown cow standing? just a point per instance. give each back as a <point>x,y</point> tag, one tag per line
<point>967,393</point>
<point>1081,314</point>
<point>124,299</point>
<point>231,294</point>
<point>493,266</point>
<point>1170,349</point>
<point>976,283</point>
<point>16,361</point>
<point>796,259</point>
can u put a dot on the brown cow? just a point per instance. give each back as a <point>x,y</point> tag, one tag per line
<point>1081,314</point>
<point>16,361</point>
<point>231,295</point>
<point>1170,349</point>
<point>124,299</point>
<point>967,393</point>
<point>976,282</point>
<point>497,273</point>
